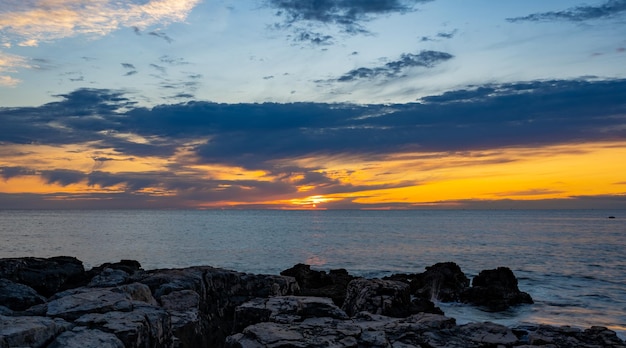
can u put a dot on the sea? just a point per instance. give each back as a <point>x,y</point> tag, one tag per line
<point>572,262</point>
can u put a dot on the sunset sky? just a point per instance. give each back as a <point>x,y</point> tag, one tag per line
<point>312,104</point>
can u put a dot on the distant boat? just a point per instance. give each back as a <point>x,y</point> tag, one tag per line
<point>611,217</point>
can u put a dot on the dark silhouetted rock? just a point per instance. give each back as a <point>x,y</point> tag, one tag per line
<point>378,296</point>
<point>441,282</point>
<point>46,276</point>
<point>318,283</point>
<point>496,290</point>
<point>18,297</point>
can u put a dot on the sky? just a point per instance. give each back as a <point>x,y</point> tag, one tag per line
<point>312,104</point>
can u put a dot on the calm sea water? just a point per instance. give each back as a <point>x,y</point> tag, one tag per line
<point>571,262</point>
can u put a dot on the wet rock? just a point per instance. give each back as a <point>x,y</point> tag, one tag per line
<point>18,297</point>
<point>319,283</point>
<point>30,331</point>
<point>82,337</point>
<point>378,296</point>
<point>46,276</point>
<point>495,290</point>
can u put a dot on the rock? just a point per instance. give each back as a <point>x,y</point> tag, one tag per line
<point>441,282</point>
<point>565,336</point>
<point>319,284</point>
<point>46,276</point>
<point>30,331</point>
<point>137,292</point>
<point>88,300</point>
<point>18,297</point>
<point>285,309</point>
<point>378,296</point>
<point>219,292</point>
<point>109,277</point>
<point>144,326</point>
<point>495,290</point>
<point>488,334</point>
<point>86,338</point>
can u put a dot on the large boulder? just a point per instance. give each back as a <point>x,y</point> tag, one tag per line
<point>495,290</point>
<point>319,283</point>
<point>46,276</point>
<point>442,281</point>
<point>18,297</point>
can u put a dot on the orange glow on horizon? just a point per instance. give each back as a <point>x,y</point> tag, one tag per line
<point>382,182</point>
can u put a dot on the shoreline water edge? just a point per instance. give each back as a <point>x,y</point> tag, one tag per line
<point>54,302</point>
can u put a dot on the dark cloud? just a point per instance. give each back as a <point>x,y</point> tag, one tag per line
<point>161,35</point>
<point>255,135</point>
<point>348,14</point>
<point>11,172</point>
<point>424,59</point>
<point>609,9</point>
<point>128,66</point>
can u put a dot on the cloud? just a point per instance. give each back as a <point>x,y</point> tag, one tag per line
<point>312,37</point>
<point>424,59</point>
<point>29,22</point>
<point>161,35</point>
<point>254,135</point>
<point>9,63</point>
<point>607,10</point>
<point>128,66</point>
<point>348,14</point>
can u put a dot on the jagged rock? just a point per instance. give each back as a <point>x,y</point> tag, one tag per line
<point>566,336</point>
<point>220,292</point>
<point>378,296</point>
<point>18,297</point>
<point>81,337</point>
<point>442,281</point>
<point>320,284</point>
<point>88,300</point>
<point>496,290</point>
<point>144,326</point>
<point>30,331</point>
<point>46,276</point>
<point>184,309</point>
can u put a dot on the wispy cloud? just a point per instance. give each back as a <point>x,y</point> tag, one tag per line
<point>161,35</point>
<point>424,59</point>
<point>609,9</point>
<point>30,22</point>
<point>9,63</point>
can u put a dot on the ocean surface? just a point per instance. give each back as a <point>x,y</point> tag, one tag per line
<point>572,262</point>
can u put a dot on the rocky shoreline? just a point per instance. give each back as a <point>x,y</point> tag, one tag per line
<point>55,302</point>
